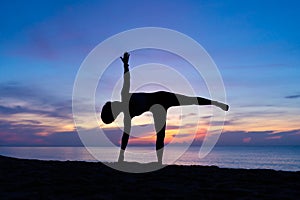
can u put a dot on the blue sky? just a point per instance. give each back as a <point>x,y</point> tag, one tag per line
<point>255,44</point>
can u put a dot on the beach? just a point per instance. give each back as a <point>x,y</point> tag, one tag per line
<point>35,179</point>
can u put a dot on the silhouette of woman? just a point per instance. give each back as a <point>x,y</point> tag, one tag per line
<point>135,104</point>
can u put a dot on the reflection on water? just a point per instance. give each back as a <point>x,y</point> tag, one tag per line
<point>274,157</point>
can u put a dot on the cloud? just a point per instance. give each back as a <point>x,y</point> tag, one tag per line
<point>65,138</point>
<point>30,134</point>
<point>30,116</point>
<point>12,133</point>
<point>56,39</point>
<point>187,115</point>
<point>27,121</point>
<point>16,90</point>
<point>296,96</point>
<point>16,98</point>
<point>57,110</point>
<point>181,135</point>
<point>114,135</point>
<point>260,138</point>
<point>12,110</point>
<point>247,139</point>
<point>29,93</point>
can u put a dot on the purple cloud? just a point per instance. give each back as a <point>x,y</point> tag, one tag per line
<point>33,96</point>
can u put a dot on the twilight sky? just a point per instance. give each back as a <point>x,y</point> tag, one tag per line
<point>255,44</point>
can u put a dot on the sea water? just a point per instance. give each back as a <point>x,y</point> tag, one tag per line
<point>286,158</point>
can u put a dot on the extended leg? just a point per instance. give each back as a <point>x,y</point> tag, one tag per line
<point>203,101</point>
<point>187,100</point>
<point>223,106</point>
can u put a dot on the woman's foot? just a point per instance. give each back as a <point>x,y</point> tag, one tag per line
<point>223,106</point>
<point>121,156</point>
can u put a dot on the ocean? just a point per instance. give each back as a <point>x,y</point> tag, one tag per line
<point>285,158</point>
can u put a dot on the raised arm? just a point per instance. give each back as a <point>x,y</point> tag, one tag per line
<point>126,81</point>
<point>125,98</point>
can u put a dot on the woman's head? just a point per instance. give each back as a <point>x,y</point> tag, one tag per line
<point>110,111</point>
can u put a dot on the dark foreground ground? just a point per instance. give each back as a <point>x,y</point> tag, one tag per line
<point>34,179</point>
